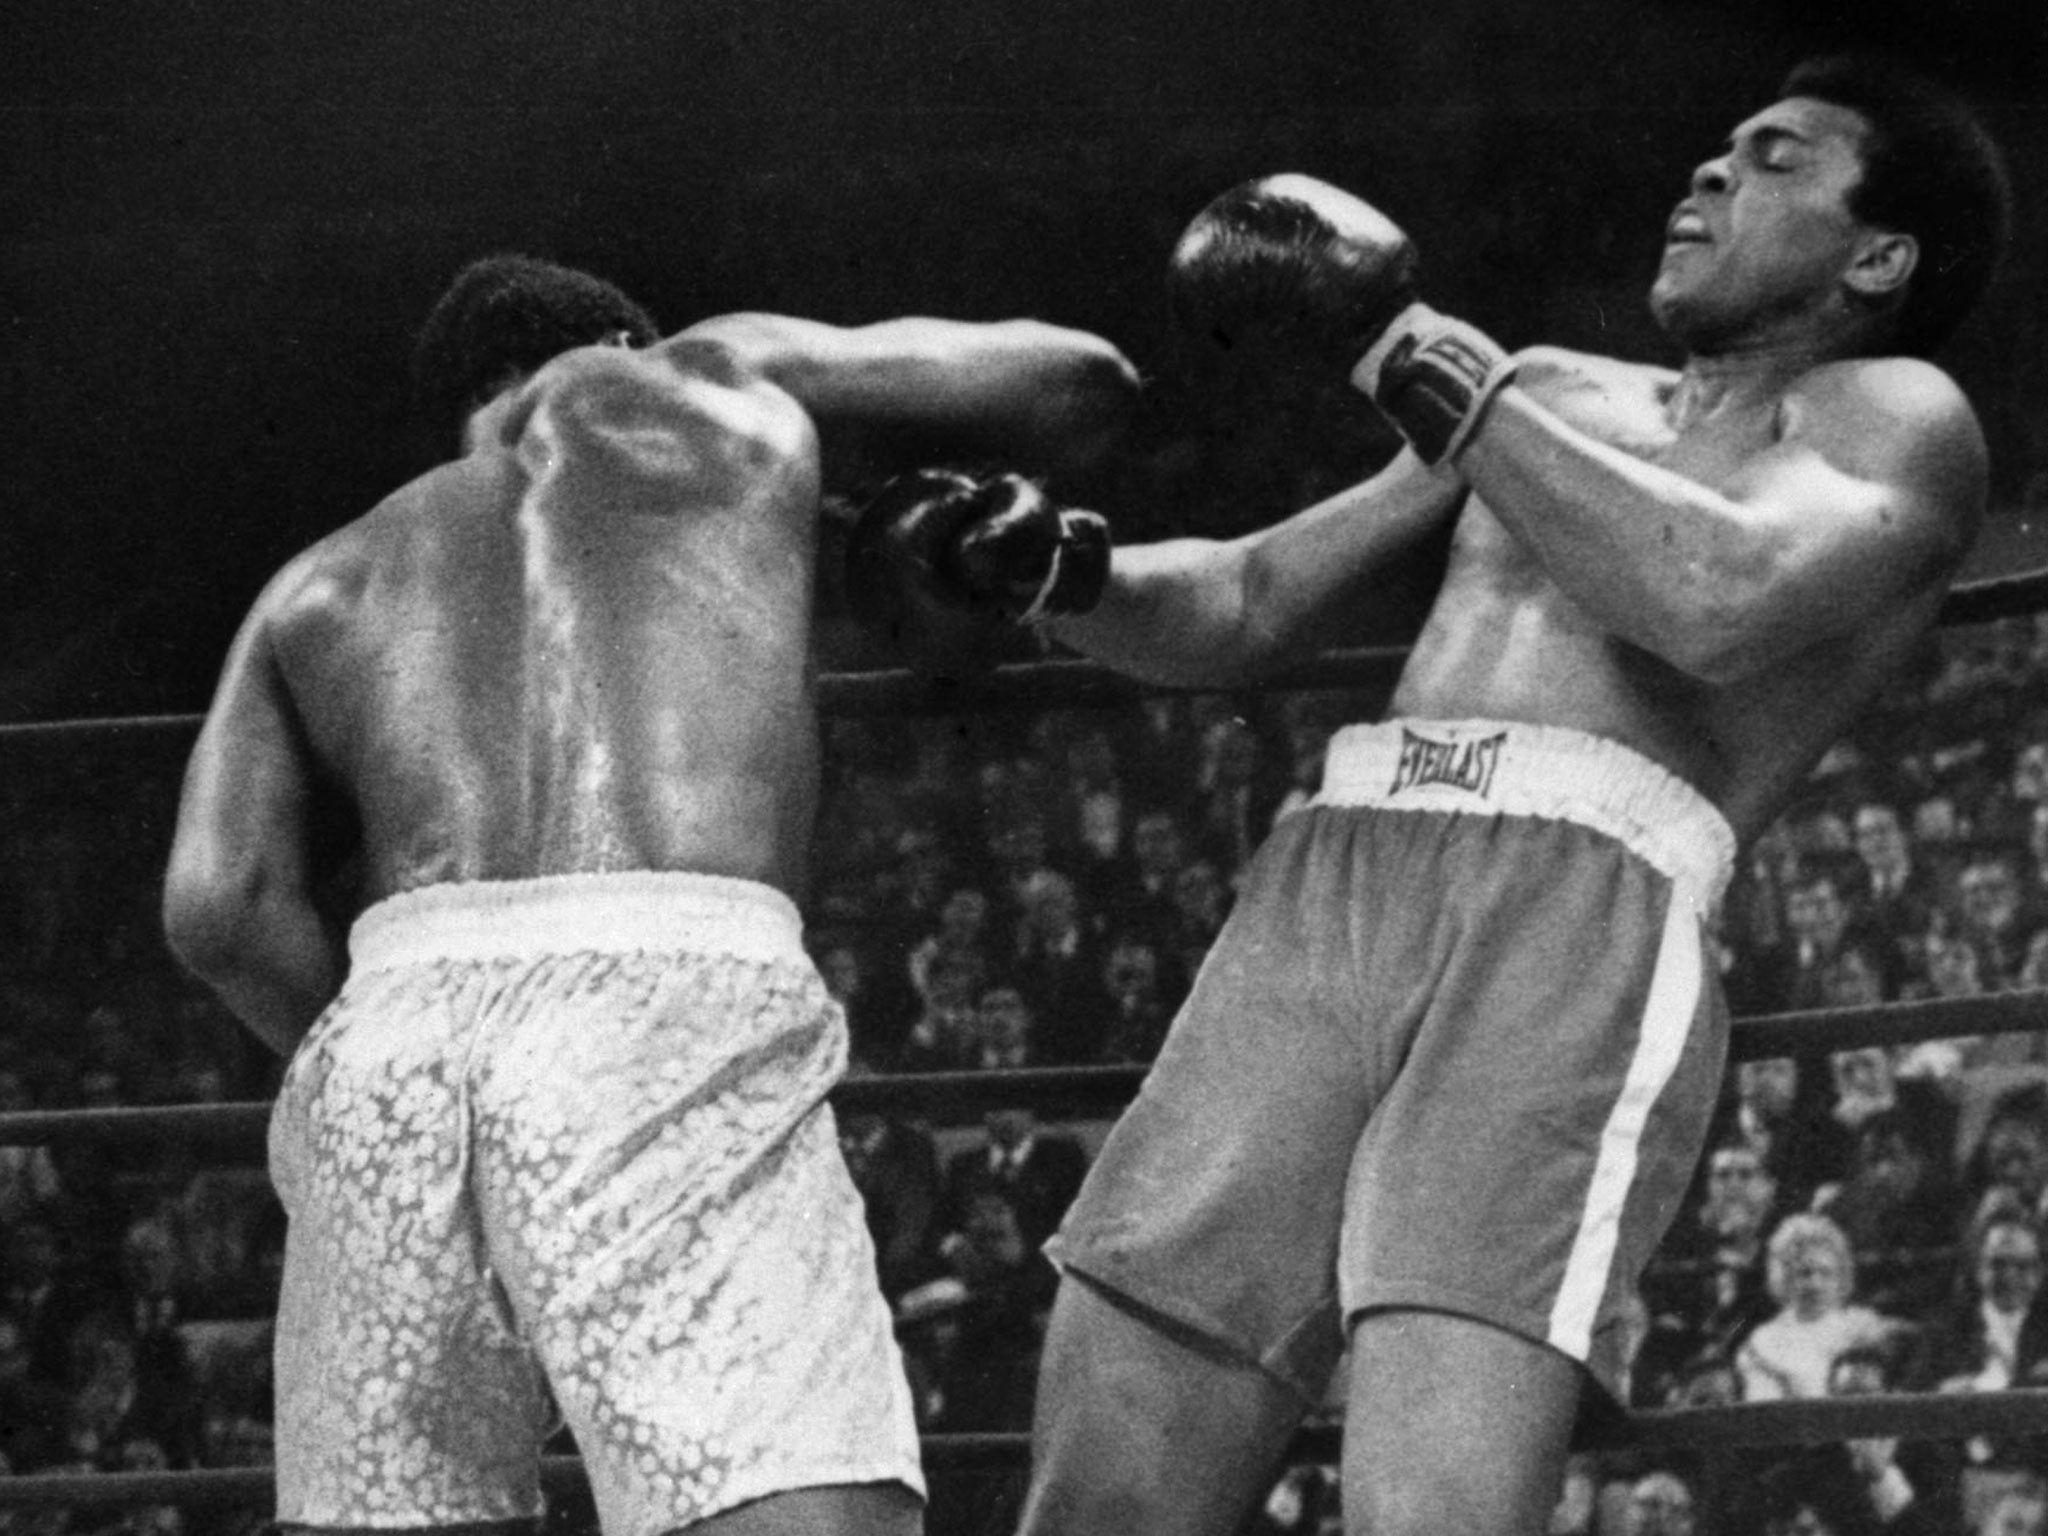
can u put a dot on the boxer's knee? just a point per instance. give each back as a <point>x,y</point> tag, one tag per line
<point>1142,1426</point>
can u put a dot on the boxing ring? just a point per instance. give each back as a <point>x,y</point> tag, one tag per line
<point>1096,1092</point>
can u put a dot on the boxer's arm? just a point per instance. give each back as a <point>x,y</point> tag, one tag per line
<point>1867,498</point>
<point>1019,390</point>
<point>239,907</point>
<point>1205,613</point>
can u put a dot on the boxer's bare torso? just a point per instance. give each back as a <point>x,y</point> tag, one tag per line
<point>1505,641</point>
<point>583,647</point>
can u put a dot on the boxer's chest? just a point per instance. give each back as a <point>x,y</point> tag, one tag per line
<point>1631,408</point>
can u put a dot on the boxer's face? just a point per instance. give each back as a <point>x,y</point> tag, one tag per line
<point>1767,229</point>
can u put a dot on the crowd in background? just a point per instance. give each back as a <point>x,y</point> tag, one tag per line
<point>1037,889</point>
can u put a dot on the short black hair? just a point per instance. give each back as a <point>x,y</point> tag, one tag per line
<point>503,317</point>
<point>1930,170</point>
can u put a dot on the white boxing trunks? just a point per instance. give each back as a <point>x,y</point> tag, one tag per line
<point>1455,1049</point>
<point>570,1136</point>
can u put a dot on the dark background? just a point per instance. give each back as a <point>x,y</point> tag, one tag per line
<point>222,220</point>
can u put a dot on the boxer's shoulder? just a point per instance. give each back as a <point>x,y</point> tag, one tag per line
<point>683,412</point>
<point>1611,399</point>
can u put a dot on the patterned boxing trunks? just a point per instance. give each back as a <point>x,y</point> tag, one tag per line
<point>1455,1049</point>
<point>568,1138</point>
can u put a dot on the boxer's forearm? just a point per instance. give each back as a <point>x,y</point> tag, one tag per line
<point>1049,396</point>
<point>1655,557</point>
<point>1171,613</point>
<point>278,1005</point>
<point>276,965</point>
<point>1196,613</point>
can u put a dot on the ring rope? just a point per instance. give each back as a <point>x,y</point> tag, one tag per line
<point>1075,684</point>
<point>1798,1422</point>
<point>960,1097</point>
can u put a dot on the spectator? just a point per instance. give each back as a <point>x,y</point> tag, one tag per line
<point>1058,968</point>
<point>1142,899</point>
<point>218,1217</point>
<point>1234,796</point>
<point>1790,1502</point>
<point>2010,1160</point>
<point>1995,1334</point>
<point>33,1414</point>
<point>1816,919</point>
<point>44,1294</point>
<point>895,1166</point>
<point>1018,846</point>
<point>2021,1510</point>
<point>1811,1275</point>
<point>1140,1009</point>
<point>988,1380</point>
<point>1307,721</point>
<point>1660,1503</point>
<point>908,903</point>
<point>1004,1030</point>
<point>1867,1082</point>
<point>1712,1293</point>
<point>151,1286</point>
<point>879,1001</point>
<point>960,937</point>
<point>115,1401</point>
<point>1304,1502</point>
<point>2033,976</point>
<point>1898,893</point>
<point>2036,894</point>
<point>944,1036</point>
<point>1092,814</point>
<point>1991,915</point>
<point>1035,1168</point>
<point>1201,901</point>
<point>1784,1107</point>
<point>1905,1489</point>
<point>1860,973</point>
<point>29,1181</point>
<point>1898,1210</point>
<point>1938,821</point>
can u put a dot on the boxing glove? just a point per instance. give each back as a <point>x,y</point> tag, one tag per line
<point>1292,264</point>
<point>986,545</point>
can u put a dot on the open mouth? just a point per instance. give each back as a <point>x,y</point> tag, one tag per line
<point>1686,228</point>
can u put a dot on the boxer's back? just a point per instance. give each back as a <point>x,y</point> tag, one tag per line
<point>585,646</point>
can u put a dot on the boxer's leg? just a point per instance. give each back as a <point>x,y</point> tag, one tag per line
<point>1146,1429</point>
<point>1453,1425</point>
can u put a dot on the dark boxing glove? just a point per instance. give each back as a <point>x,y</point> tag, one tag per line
<point>989,545</point>
<point>1292,264</point>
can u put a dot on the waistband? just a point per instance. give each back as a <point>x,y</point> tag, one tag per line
<point>624,913</point>
<point>1494,767</point>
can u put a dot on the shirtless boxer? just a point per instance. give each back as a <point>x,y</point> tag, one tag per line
<point>1447,1070</point>
<point>554,1120</point>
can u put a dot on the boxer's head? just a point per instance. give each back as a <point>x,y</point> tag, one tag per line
<point>502,318</point>
<point>1863,197</point>
<point>1930,170</point>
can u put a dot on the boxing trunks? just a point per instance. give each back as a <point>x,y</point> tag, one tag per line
<point>567,1138</point>
<point>1455,1049</point>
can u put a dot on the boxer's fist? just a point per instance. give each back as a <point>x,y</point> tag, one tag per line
<point>983,545</point>
<point>1292,264</point>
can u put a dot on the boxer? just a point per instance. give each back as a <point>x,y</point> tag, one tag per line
<point>553,1129</point>
<point>1446,1071</point>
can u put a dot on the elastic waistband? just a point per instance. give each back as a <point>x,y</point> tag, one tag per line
<point>635,912</point>
<point>1493,767</point>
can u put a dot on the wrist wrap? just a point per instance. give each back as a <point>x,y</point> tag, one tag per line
<point>1432,376</point>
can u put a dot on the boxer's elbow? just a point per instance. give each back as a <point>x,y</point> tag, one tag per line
<point>1722,621</point>
<point>213,917</point>
<point>1089,401</point>
<point>200,930</point>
